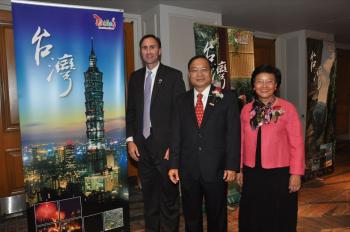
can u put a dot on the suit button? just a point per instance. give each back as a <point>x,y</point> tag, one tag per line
<point>199,148</point>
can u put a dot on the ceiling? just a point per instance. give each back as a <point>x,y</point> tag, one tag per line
<point>271,16</point>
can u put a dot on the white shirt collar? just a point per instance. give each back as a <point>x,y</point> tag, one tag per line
<point>153,70</point>
<point>205,92</point>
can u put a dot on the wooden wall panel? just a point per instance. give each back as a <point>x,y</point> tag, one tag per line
<point>12,81</point>
<point>342,126</point>
<point>9,83</point>
<point>264,51</point>
<point>129,68</point>
<point>11,166</point>
<point>14,171</point>
<point>129,49</point>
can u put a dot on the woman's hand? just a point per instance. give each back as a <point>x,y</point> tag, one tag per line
<point>294,183</point>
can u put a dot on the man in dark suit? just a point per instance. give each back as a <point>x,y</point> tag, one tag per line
<point>205,149</point>
<point>151,101</point>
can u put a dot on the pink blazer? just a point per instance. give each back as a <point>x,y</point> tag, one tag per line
<point>282,142</point>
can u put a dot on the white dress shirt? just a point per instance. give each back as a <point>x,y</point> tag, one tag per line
<point>153,76</point>
<point>205,94</point>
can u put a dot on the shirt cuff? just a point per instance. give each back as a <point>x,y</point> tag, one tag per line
<point>130,139</point>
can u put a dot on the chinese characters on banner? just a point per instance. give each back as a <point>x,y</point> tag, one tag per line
<point>70,76</point>
<point>231,53</point>
<point>64,64</point>
<point>320,121</point>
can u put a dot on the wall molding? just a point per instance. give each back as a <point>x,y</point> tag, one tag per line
<point>5,6</point>
<point>265,35</point>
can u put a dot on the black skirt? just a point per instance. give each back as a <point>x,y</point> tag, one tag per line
<point>266,204</point>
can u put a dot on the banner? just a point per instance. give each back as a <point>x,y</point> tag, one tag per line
<point>231,53</point>
<point>320,121</point>
<point>70,78</point>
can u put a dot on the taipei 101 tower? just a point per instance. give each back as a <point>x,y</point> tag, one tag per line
<point>96,150</point>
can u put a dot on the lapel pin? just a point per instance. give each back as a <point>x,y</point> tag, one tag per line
<point>160,81</point>
<point>210,103</point>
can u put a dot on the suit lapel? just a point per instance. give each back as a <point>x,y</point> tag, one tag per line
<point>191,108</point>
<point>141,89</point>
<point>209,107</point>
<point>157,83</point>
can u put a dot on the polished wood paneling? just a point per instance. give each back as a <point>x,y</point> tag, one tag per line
<point>9,83</point>
<point>11,166</point>
<point>264,51</point>
<point>14,173</point>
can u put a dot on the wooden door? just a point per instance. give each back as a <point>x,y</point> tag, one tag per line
<point>129,68</point>
<point>264,51</point>
<point>343,95</point>
<point>11,171</point>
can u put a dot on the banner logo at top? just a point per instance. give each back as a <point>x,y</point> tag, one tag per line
<point>104,24</point>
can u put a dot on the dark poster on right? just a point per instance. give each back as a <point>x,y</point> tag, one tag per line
<point>320,121</point>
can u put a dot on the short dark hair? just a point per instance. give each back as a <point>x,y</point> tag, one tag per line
<point>197,57</point>
<point>150,36</point>
<point>265,68</point>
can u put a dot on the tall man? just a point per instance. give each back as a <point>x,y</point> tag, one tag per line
<point>151,100</point>
<point>205,150</point>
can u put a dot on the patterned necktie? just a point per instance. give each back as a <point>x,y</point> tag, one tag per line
<point>199,109</point>
<point>147,105</point>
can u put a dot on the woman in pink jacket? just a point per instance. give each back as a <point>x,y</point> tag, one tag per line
<point>272,158</point>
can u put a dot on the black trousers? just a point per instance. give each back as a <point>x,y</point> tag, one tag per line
<point>160,195</point>
<point>215,197</point>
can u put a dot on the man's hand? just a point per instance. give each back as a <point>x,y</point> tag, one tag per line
<point>229,175</point>
<point>174,175</point>
<point>133,151</point>
<point>294,183</point>
<point>239,178</point>
<point>166,156</point>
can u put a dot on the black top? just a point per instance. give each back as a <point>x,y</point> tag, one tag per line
<point>258,151</point>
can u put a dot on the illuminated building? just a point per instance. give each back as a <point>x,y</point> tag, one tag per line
<point>96,155</point>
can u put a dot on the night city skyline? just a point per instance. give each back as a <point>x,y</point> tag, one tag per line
<point>93,167</point>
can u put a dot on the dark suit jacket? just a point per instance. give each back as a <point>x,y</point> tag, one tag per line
<point>214,147</point>
<point>168,85</point>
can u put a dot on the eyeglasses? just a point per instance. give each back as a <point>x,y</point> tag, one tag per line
<point>265,82</point>
<point>199,70</point>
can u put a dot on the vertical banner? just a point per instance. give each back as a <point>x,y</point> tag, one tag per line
<point>70,74</point>
<point>320,121</point>
<point>231,53</point>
